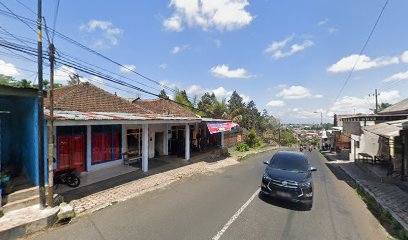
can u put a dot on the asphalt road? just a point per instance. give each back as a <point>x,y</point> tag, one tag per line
<point>226,205</point>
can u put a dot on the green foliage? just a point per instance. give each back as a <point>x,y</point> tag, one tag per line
<point>381,107</point>
<point>253,140</point>
<point>181,98</point>
<point>10,81</point>
<point>242,147</point>
<point>210,106</point>
<point>287,137</point>
<point>163,94</point>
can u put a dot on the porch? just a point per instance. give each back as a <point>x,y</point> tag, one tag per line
<point>100,180</point>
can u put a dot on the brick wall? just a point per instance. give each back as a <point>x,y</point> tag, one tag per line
<point>231,139</point>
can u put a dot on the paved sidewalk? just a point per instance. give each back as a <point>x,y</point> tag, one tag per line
<point>389,196</point>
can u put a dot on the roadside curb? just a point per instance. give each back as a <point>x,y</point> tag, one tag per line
<point>242,157</point>
<point>30,227</point>
<point>379,203</point>
<point>359,185</point>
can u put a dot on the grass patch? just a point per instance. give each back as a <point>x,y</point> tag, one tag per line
<point>384,216</point>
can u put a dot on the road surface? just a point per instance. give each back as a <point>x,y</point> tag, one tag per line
<point>226,205</point>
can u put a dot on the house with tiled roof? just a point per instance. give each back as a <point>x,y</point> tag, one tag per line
<point>164,107</point>
<point>96,129</point>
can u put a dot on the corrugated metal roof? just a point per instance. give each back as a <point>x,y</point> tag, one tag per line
<point>399,106</point>
<point>387,129</point>
<point>86,116</point>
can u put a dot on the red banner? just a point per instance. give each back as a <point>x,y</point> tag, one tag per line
<point>216,127</point>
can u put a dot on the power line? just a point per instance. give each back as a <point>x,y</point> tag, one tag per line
<point>80,45</point>
<point>361,51</point>
<point>54,25</point>
<point>27,7</point>
<point>17,16</point>
<point>89,71</point>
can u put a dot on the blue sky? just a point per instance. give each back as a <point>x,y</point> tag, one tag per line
<point>290,57</point>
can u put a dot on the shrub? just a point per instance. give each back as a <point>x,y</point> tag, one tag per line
<point>253,140</point>
<point>242,147</point>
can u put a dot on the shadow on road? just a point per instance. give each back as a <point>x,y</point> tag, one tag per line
<point>340,174</point>
<point>283,204</point>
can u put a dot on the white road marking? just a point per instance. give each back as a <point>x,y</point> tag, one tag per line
<point>235,216</point>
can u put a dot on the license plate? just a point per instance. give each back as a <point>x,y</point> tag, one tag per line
<point>283,194</point>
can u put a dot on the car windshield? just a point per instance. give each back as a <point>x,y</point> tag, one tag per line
<point>289,162</point>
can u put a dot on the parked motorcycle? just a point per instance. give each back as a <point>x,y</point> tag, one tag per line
<point>66,176</point>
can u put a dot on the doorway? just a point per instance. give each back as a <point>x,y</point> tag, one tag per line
<point>71,152</point>
<point>158,144</point>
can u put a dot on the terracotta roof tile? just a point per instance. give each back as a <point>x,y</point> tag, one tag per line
<point>164,107</point>
<point>86,97</point>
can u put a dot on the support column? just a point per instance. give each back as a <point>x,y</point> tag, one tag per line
<point>145,147</point>
<point>187,142</point>
<point>88,147</point>
<point>166,140</point>
<point>222,139</point>
<point>124,140</point>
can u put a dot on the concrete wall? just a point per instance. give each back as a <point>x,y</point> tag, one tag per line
<point>369,143</point>
<point>20,135</point>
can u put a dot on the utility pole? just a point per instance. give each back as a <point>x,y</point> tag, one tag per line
<point>376,101</point>
<point>40,108</point>
<point>51,141</point>
<point>376,94</point>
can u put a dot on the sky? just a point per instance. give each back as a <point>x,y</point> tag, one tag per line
<point>290,57</point>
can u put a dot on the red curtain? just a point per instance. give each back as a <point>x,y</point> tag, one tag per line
<point>101,147</point>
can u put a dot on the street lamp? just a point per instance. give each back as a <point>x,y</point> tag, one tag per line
<point>321,117</point>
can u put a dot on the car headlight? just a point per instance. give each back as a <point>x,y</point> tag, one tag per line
<point>265,176</point>
<point>305,184</point>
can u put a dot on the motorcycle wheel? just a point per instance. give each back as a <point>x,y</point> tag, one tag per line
<point>72,181</point>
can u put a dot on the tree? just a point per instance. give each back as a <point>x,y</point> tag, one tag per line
<point>163,94</point>
<point>6,80</point>
<point>381,107</point>
<point>210,106</point>
<point>182,99</point>
<point>235,102</point>
<point>74,79</point>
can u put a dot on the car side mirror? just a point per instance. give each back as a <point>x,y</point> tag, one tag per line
<point>312,169</point>
<point>266,162</point>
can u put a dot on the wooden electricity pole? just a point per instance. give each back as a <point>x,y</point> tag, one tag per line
<point>40,109</point>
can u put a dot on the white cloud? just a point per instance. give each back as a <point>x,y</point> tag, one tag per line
<point>276,45</point>
<point>207,14</point>
<point>170,84</point>
<point>223,71</point>
<point>294,92</point>
<point>318,96</point>
<point>276,103</point>
<point>295,48</point>
<point>348,104</point>
<point>173,24</point>
<point>404,57</point>
<point>217,43</point>
<point>163,66</point>
<point>62,73</point>
<point>333,30</point>
<point>364,62</point>
<point>276,48</point>
<point>178,49</point>
<point>127,68</point>
<point>8,69</point>
<point>397,77</point>
<point>110,33</point>
<point>323,22</point>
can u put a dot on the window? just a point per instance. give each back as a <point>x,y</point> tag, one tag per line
<point>106,143</point>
